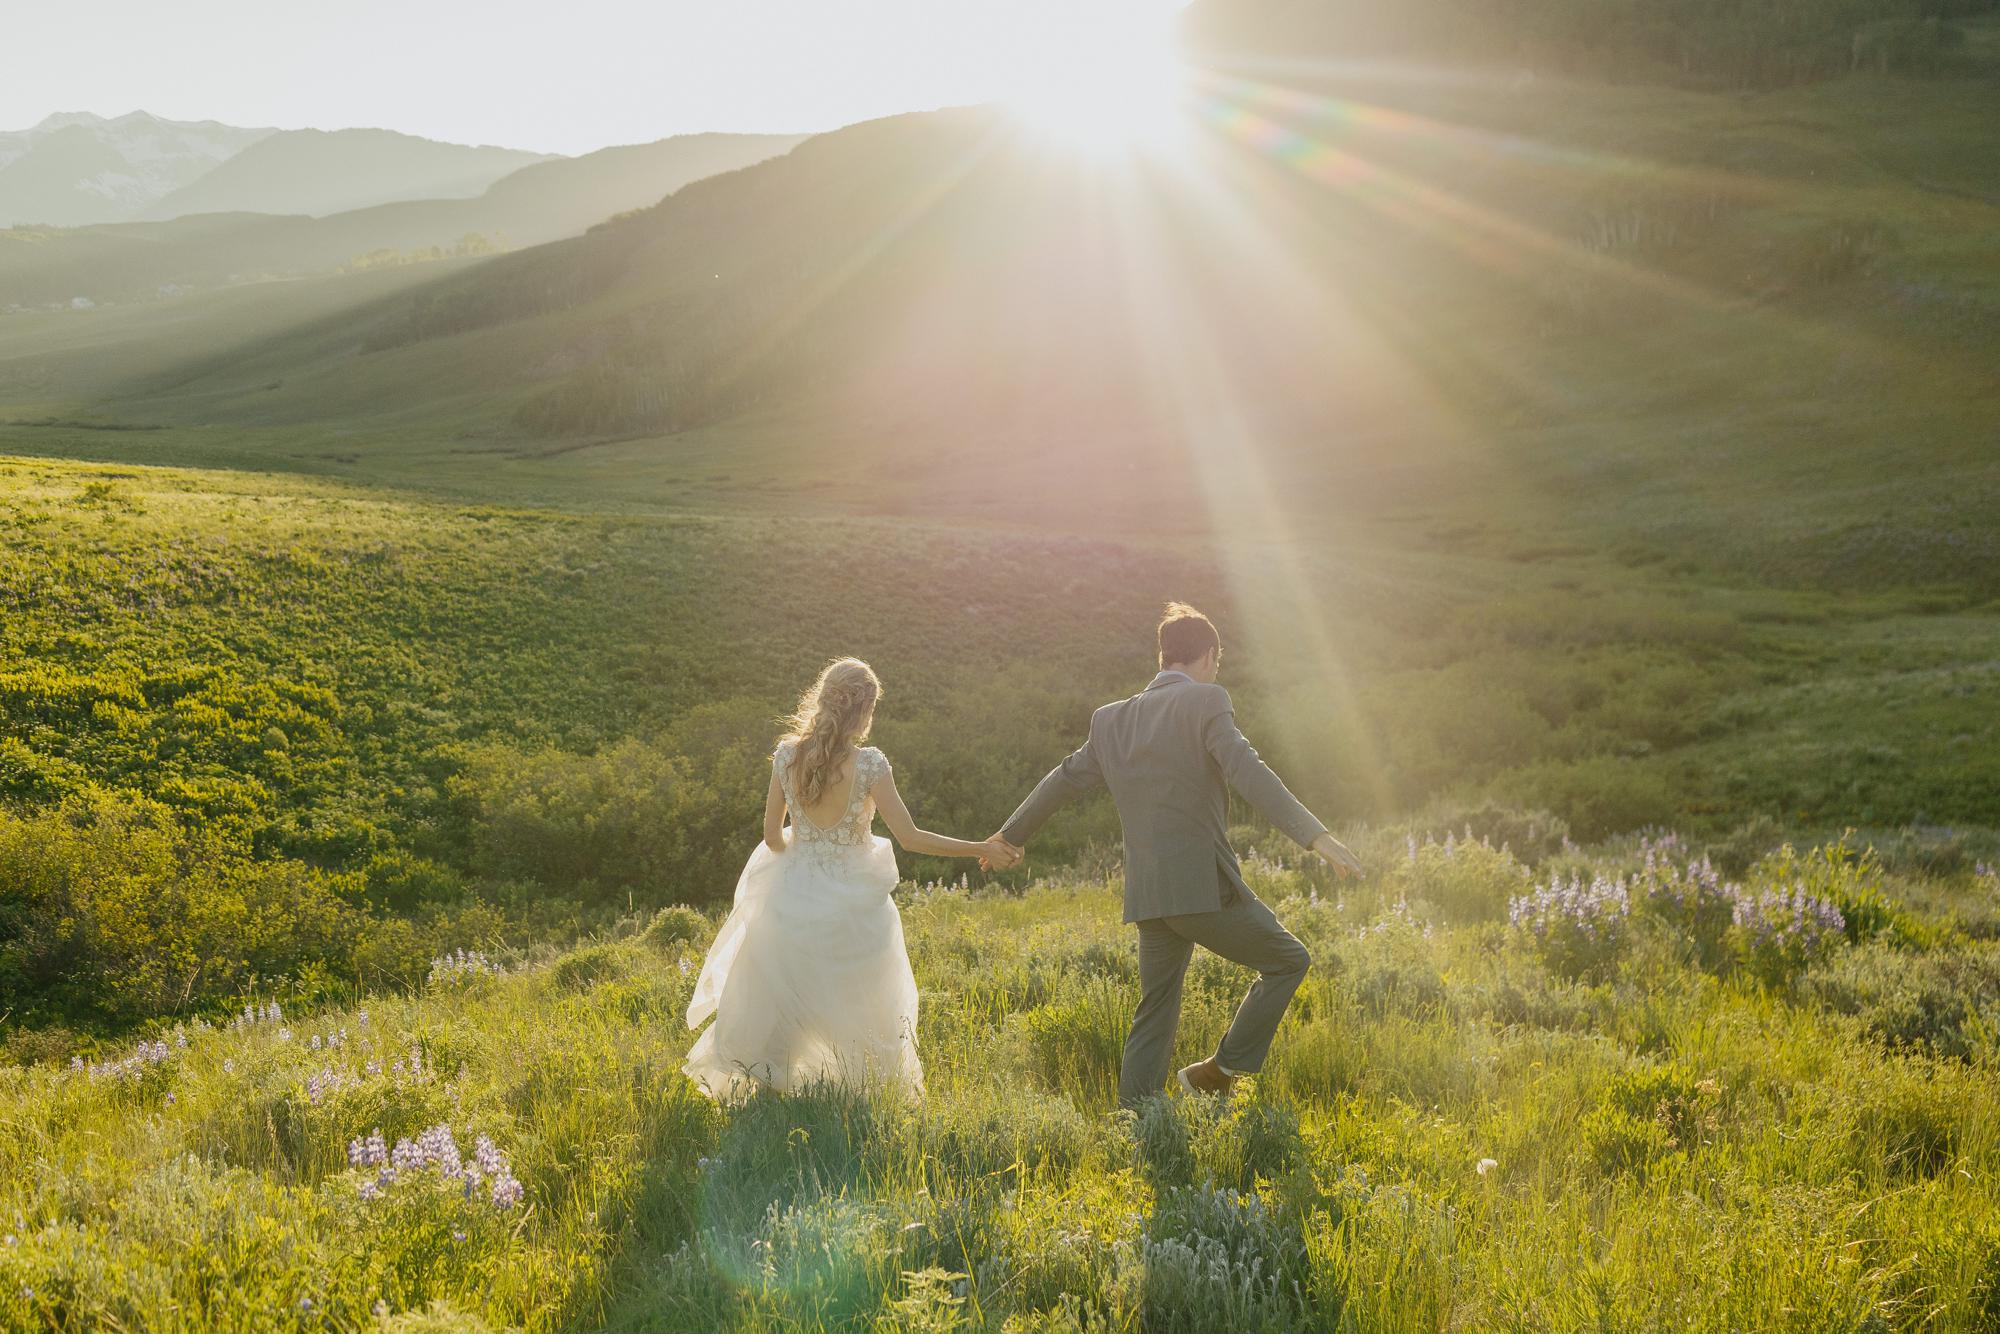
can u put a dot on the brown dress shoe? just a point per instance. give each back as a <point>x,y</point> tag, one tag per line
<point>1207,1078</point>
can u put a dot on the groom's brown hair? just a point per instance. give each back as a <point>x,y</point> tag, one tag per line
<point>1185,634</point>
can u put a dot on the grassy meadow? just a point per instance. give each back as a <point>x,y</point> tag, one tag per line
<point>1669,1122</point>
<point>1593,485</point>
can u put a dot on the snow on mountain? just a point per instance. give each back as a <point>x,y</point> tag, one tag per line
<point>75,167</point>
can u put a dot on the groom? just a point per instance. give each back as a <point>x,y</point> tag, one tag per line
<point>1169,755</point>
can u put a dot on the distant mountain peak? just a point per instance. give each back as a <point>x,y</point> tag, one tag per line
<point>62,120</point>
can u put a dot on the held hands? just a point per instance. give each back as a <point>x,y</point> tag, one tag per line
<point>997,854</point>
<point>1336,854</point>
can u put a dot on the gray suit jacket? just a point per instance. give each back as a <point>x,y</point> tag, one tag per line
<point>1170,754</point>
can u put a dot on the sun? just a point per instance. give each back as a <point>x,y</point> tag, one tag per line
<point>1108,79</point>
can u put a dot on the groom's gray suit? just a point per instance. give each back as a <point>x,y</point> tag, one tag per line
<point>1169,755</point>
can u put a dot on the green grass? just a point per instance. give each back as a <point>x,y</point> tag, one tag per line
<point>1675,1145</point>
<point>453,725</point>
<point>1653,490</point>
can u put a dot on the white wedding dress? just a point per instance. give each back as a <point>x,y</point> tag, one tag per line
<point>808,980</point>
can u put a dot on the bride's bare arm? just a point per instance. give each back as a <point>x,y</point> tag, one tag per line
<point>889,802</point>
<point>774,813</point>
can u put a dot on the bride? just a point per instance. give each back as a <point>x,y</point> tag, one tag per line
<point>808,980</point>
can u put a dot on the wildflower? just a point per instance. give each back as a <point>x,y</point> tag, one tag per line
<point>229,1067</point>
<point>1579,928</point>
<point>381,1308</point>
<point>305,1303</point>
<point>170,1098</point>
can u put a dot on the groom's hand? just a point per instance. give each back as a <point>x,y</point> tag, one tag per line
<point>1000,855</point>
<point>1336,854</point>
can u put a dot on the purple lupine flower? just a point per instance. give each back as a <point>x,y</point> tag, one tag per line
<point>1780,931</point>
<point>1579,928</point>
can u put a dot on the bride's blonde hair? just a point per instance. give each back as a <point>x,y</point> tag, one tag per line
<point>834,713</point>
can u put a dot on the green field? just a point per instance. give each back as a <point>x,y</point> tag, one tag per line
<point>1565,464</point>
<point>1675,1139</point>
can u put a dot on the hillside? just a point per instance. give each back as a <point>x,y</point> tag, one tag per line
<point>317,172</point>
<point>76,168</point>
<point>538,203</point>
<point>1645,313</point>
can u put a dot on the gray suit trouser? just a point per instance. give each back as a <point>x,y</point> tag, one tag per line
<point>1243,931</point>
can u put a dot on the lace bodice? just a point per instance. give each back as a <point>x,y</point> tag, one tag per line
<point>851,830</point>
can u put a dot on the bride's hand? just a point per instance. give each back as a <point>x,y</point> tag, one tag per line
<point>997,854</point>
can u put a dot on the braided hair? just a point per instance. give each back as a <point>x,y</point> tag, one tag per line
<point>834,713</point>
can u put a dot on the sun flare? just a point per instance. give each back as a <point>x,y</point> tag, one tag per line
<point>1111,79</point>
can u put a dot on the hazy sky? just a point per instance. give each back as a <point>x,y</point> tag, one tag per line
<point>562,76</point>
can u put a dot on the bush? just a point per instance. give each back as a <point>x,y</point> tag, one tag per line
<point>676,926</point>
<point>1778,932</point>
<point>115,912</point>
<point>585,968</point>
<point>631,821</point>
<point>1852,883</point>
<point>1945,1002</point>
<point>1691,898</point>
<point>1580,930</point>
<point>1597,797</point>
<point>1529,835</point>
<point>1463,880</point>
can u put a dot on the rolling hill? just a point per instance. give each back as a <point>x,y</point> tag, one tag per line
<point>541,202</point>
<point>1651,310</point>
<point>316,172</point>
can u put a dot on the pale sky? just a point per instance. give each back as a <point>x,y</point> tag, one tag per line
<point>557,76</point>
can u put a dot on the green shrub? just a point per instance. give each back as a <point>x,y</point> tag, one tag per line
<point>1598,796</point>
<point>1461,880</point>
<point>1946,1002</point>
<point>579,970</point>
<point>675,926</point>
<point>116,912</point>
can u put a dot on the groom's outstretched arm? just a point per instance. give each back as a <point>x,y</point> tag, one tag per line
<point>1250,776</point>
<point>1076,774</point>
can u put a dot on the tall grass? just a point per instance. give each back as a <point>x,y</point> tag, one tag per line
<point>1449,1134</point>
